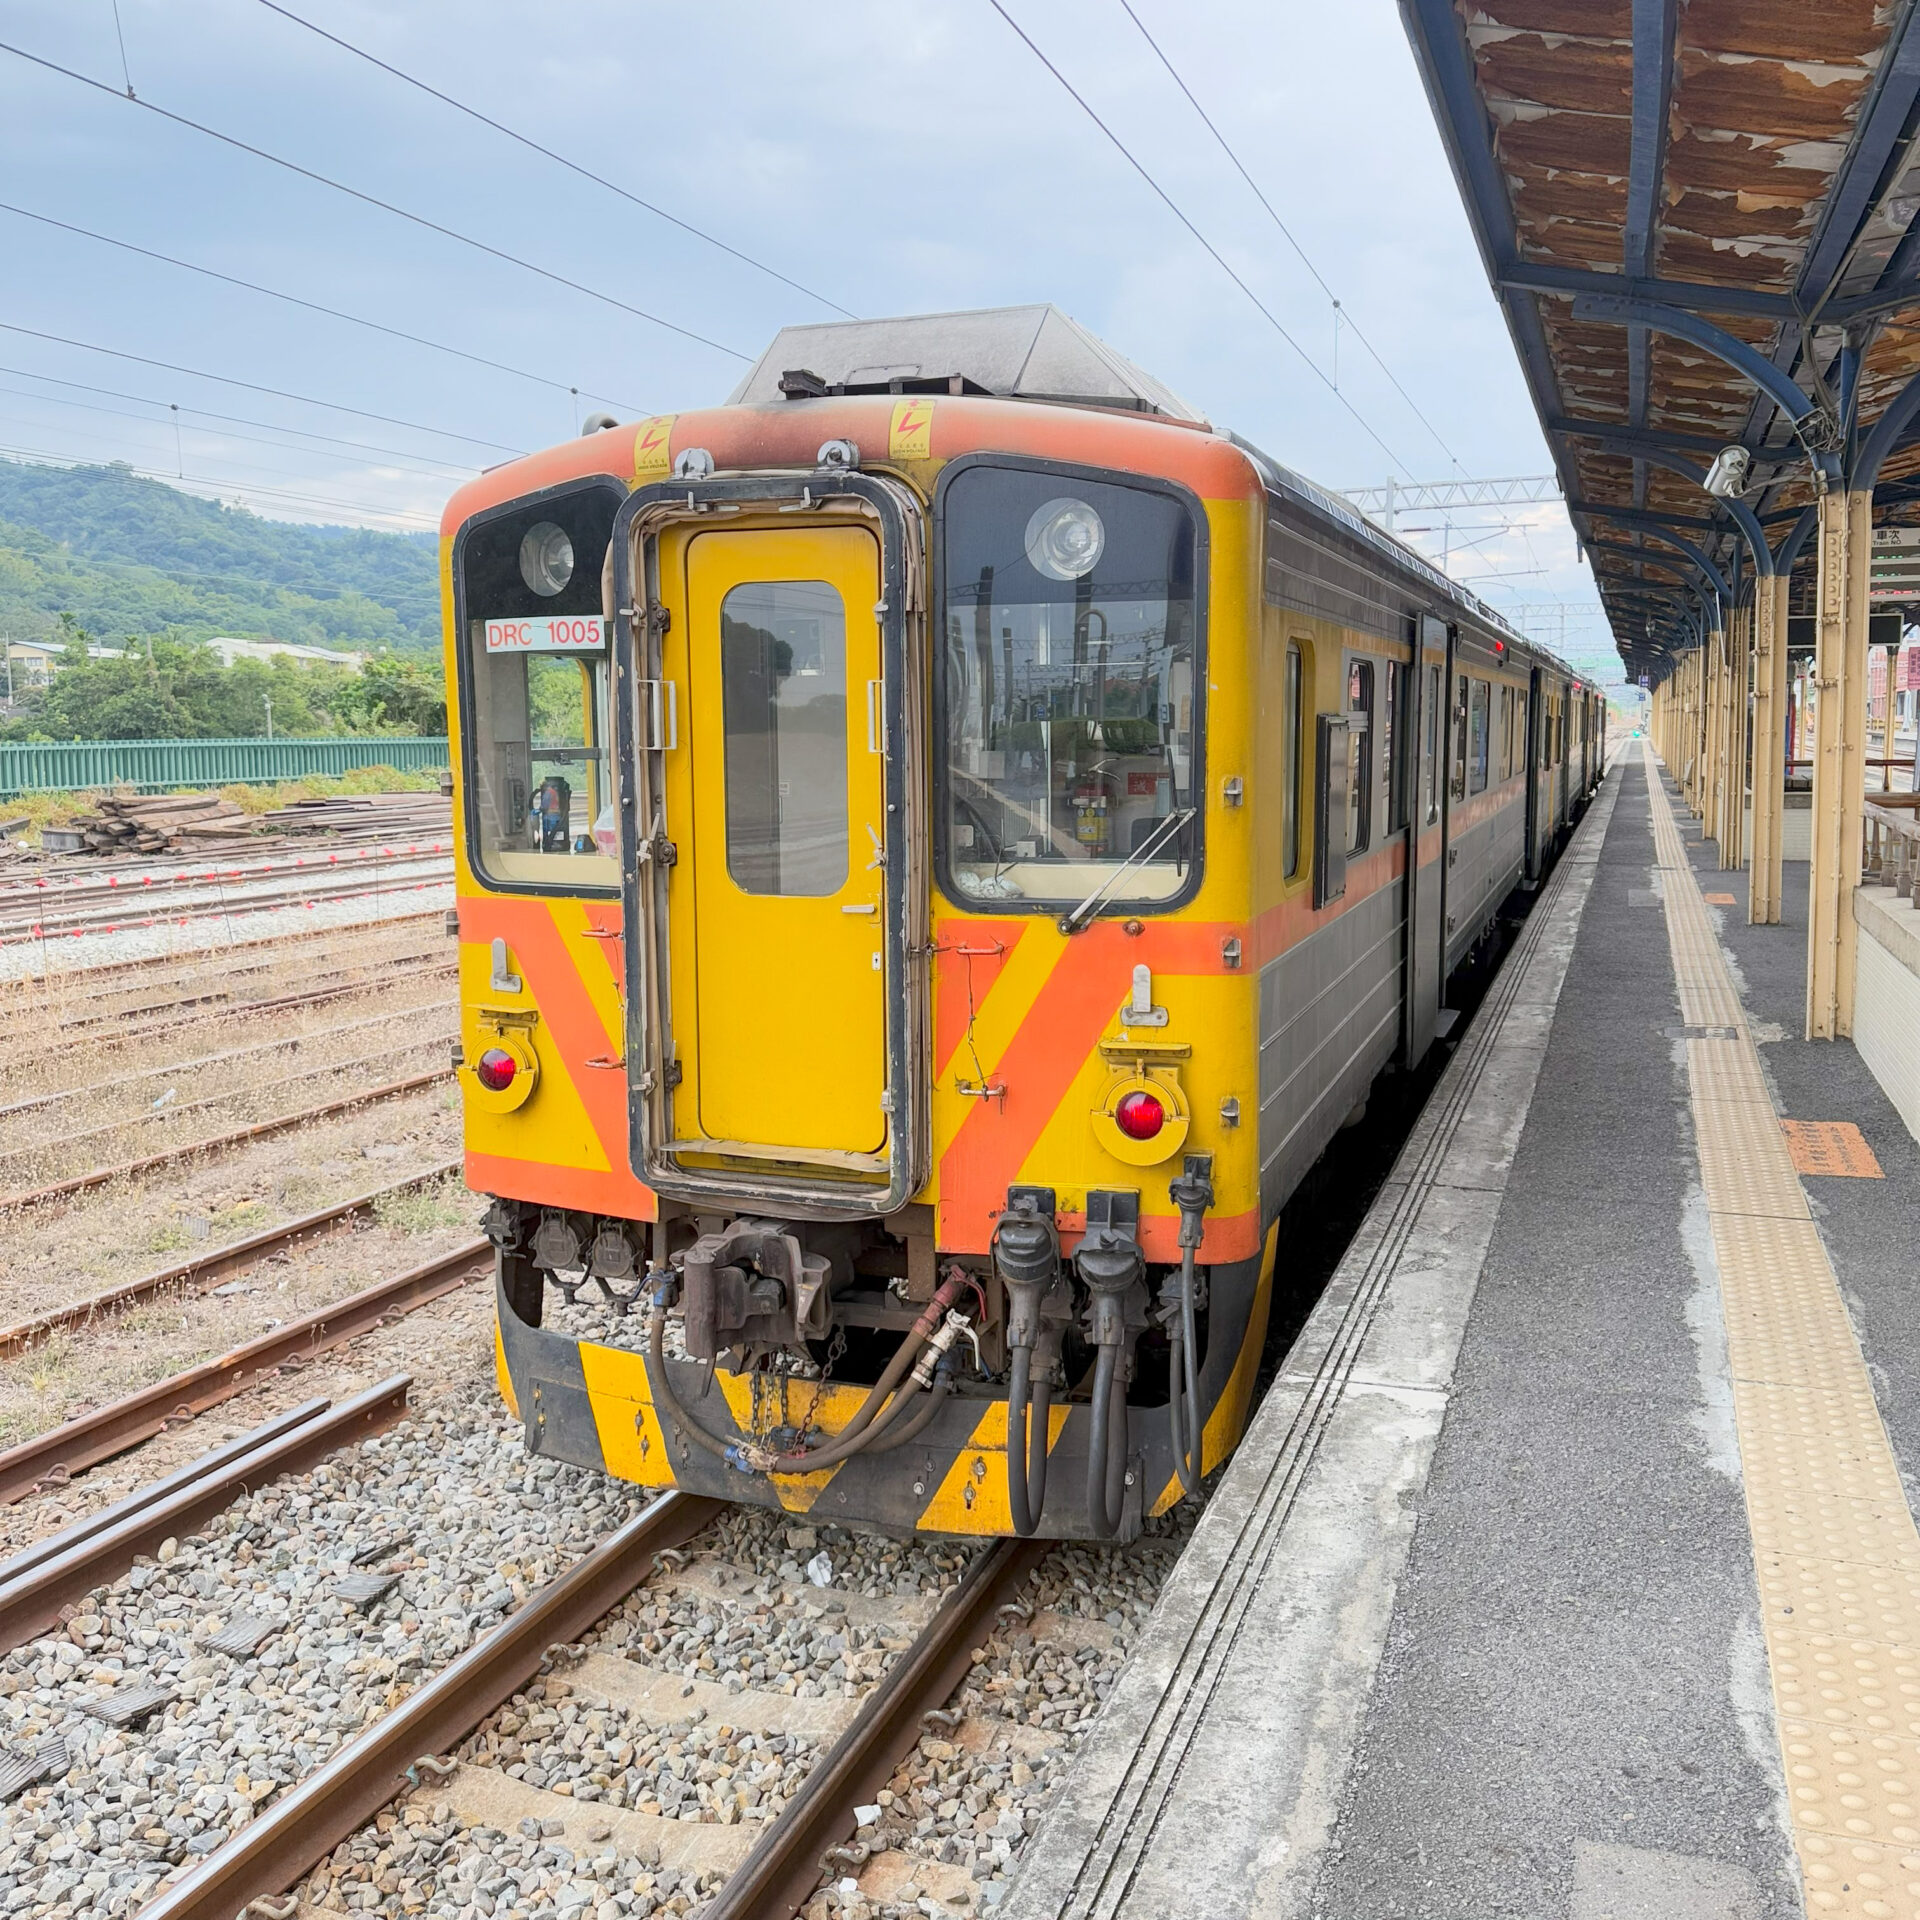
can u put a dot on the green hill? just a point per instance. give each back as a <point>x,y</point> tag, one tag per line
<point>128,557</point>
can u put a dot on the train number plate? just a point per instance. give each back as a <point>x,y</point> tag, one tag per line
<point>550,633</point>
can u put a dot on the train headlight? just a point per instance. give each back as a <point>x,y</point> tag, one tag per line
<point>495,1069</point>
<point>1138,1115</point>
<point>546,559</point>
<point>1065,539</point>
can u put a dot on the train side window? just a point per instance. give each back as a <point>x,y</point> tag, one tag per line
<point>1477,737</point>
<point>1459,780</point>
<point>1506,733</point>
<point>1359,755</point>
<point>1290,802</point>
<point>1435,693</point>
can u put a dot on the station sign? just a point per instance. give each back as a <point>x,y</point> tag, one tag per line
<point>550,633</point>
<point>1894,568</point>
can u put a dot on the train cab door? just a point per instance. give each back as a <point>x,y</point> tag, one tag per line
<point>1426,917</point>
<point>778,981</point>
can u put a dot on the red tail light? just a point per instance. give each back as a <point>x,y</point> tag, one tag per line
<point>496,1067</point>
<point>1139,1115</point>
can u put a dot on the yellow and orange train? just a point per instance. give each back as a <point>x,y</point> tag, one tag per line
<point>946,840</point>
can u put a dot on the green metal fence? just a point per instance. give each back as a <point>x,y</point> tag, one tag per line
<point>67,766</point>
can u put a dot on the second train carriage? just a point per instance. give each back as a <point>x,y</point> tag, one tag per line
<point>948,838</point>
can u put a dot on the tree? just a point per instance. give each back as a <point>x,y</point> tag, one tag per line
<point>170,688</point>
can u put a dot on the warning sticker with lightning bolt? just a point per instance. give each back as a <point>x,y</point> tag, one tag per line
<point>910,437</point>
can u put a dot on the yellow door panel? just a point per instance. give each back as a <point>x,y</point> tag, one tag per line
<point>780,889</point>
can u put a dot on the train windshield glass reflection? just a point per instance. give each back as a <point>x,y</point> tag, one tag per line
<point>1069,689</point>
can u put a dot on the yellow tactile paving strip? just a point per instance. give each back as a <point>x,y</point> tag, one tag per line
<point>1834,1543</point>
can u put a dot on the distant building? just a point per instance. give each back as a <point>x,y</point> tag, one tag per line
<point>231,650</point>
<point>29,662</point>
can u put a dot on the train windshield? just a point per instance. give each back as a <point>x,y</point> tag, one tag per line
<point>534,679</point>
<point>1069,689</point>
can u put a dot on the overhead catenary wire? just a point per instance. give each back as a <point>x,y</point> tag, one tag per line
<point>312,306</point>
<point>253,386</point>
<point>1219,259</point>
<point>371,200</point>
<point>559,159</point>
<point>1343,313</point>
<point>416,462</point>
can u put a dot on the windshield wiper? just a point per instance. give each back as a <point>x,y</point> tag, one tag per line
<point>1074,921</point>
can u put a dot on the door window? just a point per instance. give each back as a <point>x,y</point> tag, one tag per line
<point>783,674</point>
<point>1359,754</point>
<point>1290,802</point>
<point>1459,781</point>
<point>1393,746</point>
<point>1432,805</point>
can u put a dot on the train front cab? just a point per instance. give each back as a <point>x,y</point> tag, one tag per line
<point>897,873</point>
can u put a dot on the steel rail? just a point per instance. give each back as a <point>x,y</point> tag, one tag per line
<point>204,1269</point>
<point>256,961</point>
<point>195,1062</point>
<point>262,1130</point>
<point>39,902</point>
<point>33,1602</point>
<point>89,1524</point>
<point>164,1116</point>
<point>19,930</point>
<point>53,1457</point>
<point>214,1006</point>
<point>155,870</point>
<point>284,1842</point>
<point>266,945</point>
<point>782,1872</point>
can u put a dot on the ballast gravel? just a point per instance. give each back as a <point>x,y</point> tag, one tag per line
<point>449,1503</point>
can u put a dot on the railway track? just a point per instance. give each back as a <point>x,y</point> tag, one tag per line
<point>774,1875</point>
<point>269,953</point>
<point>122,917</point>
<point>220,1005</point>
<point>174,1156</point>
<point>681,1713</point>
<point>209,1269</point>
<point>54,1457</point>
<point>196,1063</point>
<point>107,879</point>
<point>169,1115</point>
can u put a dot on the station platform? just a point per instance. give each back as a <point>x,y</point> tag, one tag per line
<point>1569,1567</point>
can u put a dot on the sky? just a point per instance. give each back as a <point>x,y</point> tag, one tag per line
<point>898,157</point>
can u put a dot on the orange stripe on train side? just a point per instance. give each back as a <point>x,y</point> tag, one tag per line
<point>1292,920</point>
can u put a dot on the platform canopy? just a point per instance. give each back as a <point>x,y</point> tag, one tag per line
<point>1702,219</point>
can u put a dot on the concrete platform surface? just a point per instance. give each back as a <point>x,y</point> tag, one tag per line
<point>1477,1623</point>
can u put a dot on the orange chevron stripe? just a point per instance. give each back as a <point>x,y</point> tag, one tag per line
<point>553,977</point>
<point>1090,977</point>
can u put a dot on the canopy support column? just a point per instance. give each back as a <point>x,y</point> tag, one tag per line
<point>1839,758</point>
<point>1769,746</point>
